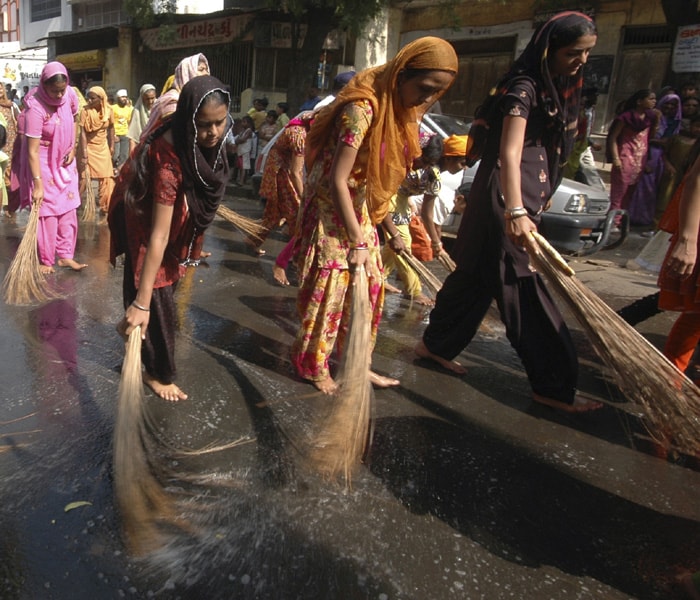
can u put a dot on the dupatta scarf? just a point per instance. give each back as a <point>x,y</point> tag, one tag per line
<point>184,72</point>
<point>97,117</point>
<point>559,96</point>
<point>393,134</point>
<point>65,107</point>
<point>204,175</point>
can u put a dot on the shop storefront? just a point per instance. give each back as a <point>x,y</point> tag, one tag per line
<point>85,68</point>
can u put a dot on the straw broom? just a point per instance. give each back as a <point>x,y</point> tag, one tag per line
<point>340,444</point>
<point>447,262</point>
<point>248,226</point>
<point>89,210</point>
<point>670,400</point>
<point>24,282</point>
<point>141,499</point>
<point>425,274</point>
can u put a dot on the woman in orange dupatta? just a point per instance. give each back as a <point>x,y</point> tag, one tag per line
<point>97,145</point>
<point>358,152</point>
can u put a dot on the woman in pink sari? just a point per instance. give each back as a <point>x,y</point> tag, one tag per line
<point>628,145</point>
<point>50,142</point>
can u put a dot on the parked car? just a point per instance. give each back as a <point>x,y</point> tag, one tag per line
<point>577,222</point>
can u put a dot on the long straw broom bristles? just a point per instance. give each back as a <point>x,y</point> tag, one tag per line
<point>248,226</point>
<point>447,262</point>
<point>342,438</point>
<point>141,498</point>
<point>425,274</point>
<point>670,400</point>
<point>24,283</point>
<point>89,209</point>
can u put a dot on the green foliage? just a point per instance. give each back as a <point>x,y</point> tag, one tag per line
<point>141,11</point>
<point>143,14</point>
<point>345,14</point>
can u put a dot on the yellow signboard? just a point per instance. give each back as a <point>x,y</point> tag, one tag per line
<point>83,61</point>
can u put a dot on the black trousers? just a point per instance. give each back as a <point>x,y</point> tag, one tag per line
<point>158,349</point>
<point>534,325</point>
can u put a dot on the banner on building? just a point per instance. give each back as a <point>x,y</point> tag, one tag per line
<point>19,72</point>
<point>686,51</point>
<point>200,33</point>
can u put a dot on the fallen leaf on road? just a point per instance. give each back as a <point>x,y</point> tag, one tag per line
<point>78,504</point>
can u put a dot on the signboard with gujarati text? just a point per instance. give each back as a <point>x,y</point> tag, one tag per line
<point>686,51</point>
<point>200,33</point>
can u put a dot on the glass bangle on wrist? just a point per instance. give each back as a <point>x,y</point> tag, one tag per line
<point>362,246</point>
<point>143,308</point>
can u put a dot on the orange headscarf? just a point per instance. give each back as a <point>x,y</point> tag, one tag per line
<point>393,135</point>
<point>96,117</point>
<point>455,145</point>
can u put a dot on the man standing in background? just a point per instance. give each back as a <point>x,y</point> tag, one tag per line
<point>122,115</point>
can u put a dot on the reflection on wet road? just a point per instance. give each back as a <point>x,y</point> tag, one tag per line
<point>467,491</point>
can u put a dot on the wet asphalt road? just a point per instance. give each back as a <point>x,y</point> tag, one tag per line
<point>468,490</point>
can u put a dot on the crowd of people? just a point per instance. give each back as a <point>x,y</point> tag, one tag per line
<point>344,176</point>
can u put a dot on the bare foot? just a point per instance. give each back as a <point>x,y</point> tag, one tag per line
<point>69,263</point>
<point>382,382</point>
<point>422,351</point>
<point>579,405</point>
<point>166,391</point>
<point>327,386</point>
<point>423,300</point>
<point>280,276</point>
<point>204,254</point>
<point>46,269</point>
<point>390,288</point>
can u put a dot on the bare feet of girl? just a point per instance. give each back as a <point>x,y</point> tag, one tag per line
<point>69,263</point>
<point>46,269</point>
<point>423,300</point>
<point>327,386</point>
<point>422,351</point>
<point>579,405</point>
<point>166,391</point>
<point>382,382</point>
<point>280,276</point>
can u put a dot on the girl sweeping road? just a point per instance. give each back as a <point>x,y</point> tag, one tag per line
<point>532,117</point>
<point>358,152</point>
<point>166,197</point>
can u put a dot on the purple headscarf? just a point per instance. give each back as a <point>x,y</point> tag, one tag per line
<point>669,126</point>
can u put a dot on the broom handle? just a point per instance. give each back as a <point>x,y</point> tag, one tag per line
<point>549,249</point>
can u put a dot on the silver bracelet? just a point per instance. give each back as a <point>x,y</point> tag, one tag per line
<point>143,308</point>
<point>515,213</point>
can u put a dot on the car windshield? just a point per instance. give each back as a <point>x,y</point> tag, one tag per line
<point>445,125</point>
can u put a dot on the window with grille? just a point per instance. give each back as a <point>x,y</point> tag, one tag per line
<point>102,14</point>
<point>45,9</point>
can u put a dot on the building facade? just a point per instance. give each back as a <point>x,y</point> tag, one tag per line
<point>633,51</point>
<point>248,48</point>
